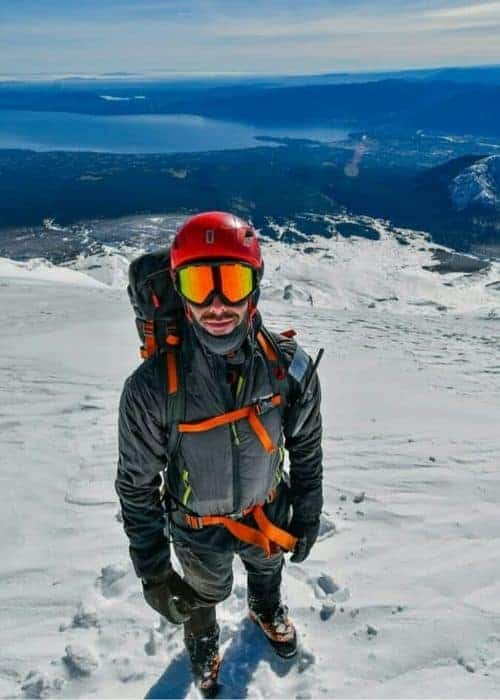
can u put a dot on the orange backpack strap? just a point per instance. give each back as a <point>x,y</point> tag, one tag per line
<point>173,341</point>
<point>210,423</point>
<point>251,412</point>
<point>282,538</point>
<point>172,378</point>
<point>270,348</point>
<point>258,428</point>
<point>266,347</point>
<point>149,347</point>
<point>267,535</point>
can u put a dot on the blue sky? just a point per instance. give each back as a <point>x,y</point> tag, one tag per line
<point>258,36</point>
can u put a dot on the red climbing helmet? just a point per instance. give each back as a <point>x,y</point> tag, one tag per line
<point>216,235</point>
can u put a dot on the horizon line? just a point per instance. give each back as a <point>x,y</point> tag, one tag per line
<point>170,73</point>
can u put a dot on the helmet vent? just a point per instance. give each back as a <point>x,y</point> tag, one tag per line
<point>209,235</point>
<point>248,237</point>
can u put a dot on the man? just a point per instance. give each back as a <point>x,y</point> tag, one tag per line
<point>247,394</point>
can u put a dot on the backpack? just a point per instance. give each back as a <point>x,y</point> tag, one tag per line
<point>157,306</point>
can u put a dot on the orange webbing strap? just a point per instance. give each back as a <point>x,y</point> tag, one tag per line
<point>268,537</point>
<point>149,339</point>
<point>258,428</point>
<point>172,340</point>
<point>283,538</point>
<point>250,412</point>
<point>267,348</point>
<point>172,379</point>
<point>209,423</point>
<point>245,533</point>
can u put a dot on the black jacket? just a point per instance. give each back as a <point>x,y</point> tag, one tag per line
<point>143,437</point>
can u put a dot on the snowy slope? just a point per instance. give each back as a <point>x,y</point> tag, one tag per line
<point>342,273</point>
<point>400,597</point>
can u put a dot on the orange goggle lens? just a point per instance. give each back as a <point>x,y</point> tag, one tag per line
<point>233,281</point>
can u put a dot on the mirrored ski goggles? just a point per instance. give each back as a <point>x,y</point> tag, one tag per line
<point>198,283</point>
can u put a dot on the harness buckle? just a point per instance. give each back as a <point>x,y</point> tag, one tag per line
<point>263,404</point>
<point>241,514</point>
<point>235,516</point>
<point>193,521</point>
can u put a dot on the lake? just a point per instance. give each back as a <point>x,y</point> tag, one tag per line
<point>143,133</point>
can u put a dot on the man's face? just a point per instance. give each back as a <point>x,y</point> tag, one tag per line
<point>217,317</point>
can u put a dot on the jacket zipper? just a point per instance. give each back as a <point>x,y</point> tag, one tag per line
<point>235,441</point>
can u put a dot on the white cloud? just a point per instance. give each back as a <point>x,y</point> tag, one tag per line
<point>347,38</point>
<point>361,21</point>
<point>483,10</point>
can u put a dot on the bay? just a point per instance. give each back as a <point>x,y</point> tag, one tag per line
<point>143,133</point>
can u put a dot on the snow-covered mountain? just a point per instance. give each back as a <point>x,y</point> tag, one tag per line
<point>400,597</point>
<point>376,266</point>
<point>478,185</point>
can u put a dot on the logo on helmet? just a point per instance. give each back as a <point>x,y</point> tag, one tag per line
<point>247,241</point>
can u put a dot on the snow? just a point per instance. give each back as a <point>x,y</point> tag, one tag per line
<point>41,270</point>
<point>478,184</point>
<point>400,596</point>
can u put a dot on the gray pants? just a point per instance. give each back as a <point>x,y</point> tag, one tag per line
<point>206,557</point>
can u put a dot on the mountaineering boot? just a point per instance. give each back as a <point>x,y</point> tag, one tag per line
<point>277,627</point>
<point>203,652</point>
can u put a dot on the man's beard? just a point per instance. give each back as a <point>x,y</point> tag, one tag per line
<point>221,344</point>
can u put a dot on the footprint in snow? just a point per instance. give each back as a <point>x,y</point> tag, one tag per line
<point>90,492</point>
<point>154,643</point>
<point>326,584</point>
<point>124,670</point>
<point>112,580</point>
<point>38,685</point>
<point>326,527</point>
<point>80,661</point>
<point>305,659</point>
<point>84,618</point>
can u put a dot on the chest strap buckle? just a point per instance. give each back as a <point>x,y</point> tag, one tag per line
<point>263,404</point>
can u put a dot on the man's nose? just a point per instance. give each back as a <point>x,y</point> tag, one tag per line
<point>217,304</point>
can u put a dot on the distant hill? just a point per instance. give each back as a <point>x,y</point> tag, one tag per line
<point>461,199</point>
<point>452,105</point>
<point>478,186</point>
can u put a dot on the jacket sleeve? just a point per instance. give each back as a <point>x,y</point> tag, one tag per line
<point>142,456</point>
<point>303,434</point>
